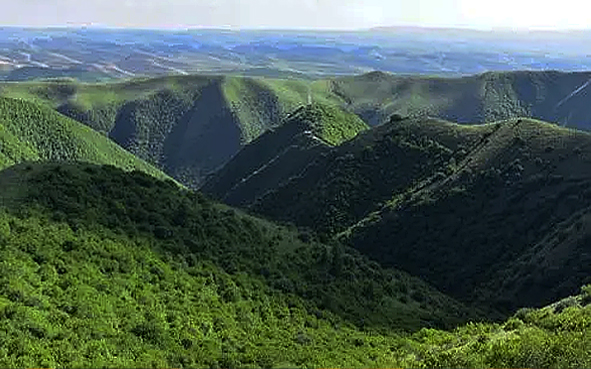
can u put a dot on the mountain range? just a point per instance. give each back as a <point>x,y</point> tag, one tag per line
<point>367,221</point>
<point>164,120</point>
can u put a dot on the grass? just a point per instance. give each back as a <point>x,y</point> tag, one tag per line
<point>32,132</point>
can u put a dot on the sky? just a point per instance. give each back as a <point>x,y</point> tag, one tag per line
<point>299,14</point>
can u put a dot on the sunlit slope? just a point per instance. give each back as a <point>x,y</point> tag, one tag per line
<point>29,132</point>
<point>549,95</point>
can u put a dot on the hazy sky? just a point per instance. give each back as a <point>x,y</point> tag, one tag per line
<point>333,14</point>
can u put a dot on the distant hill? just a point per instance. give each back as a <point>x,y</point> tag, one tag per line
<point>282,153</point>
<point>30,132</point>
<point>549,96</point>
<point>190,126</point>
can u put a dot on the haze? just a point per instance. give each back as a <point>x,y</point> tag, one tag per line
<point>286,14</point>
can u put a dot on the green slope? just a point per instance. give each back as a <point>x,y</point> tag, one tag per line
<point>190,126</point>
<point>340,188</point>
<point>501,206</point>
<point>29,132</point>
<point>102,268</point>
<point>183,223</point>
<point>282,153</point>
<point>509,219</point>
<point>480,98</point>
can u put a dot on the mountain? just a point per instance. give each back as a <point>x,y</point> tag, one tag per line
<point>190,126</point>
<point>340,187</point>
<point>551,96</point>
<point>106,268</point>
<point>30,132</point>
<point>508,219</point>
<point>282,153</point>
<point>119,268</point>
<point>500,206</point>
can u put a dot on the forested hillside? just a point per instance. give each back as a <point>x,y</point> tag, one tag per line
<point>190,126</point>
<point>282,153</point>
<point>102,268</point>
<point>501,206</point>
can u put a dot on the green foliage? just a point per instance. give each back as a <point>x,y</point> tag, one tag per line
<point>188,225</point>
<point>33,132</point>
<point>329,123</point>
<point>199,109</point>
<point>340,188</point>
<point>282,153</point>
<point>94,298</point>
<point>80,298</point>
<point>509,219</point>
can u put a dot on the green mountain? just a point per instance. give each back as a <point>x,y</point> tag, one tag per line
<point>509,218</point>
<point>29,132</point>
<point>500,206</point>
<point>282,153</point>
<point>190,126</point>
<point>551,96</point>
<point>339,188</point>
<point>105,268</point>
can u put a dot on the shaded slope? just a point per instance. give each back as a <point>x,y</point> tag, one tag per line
<point>188,135</point>
<point>31,132</point>
<point>338,189</point>
<point>282,153</point>
<point>508,221</point>
<point>187,126</point>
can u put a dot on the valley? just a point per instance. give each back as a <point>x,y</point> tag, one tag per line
<point>374,220</point>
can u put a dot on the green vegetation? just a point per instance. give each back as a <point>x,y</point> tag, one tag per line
<point>150,117</point>
<point>282,153</point>
<point>504,207</point>
<point>31,132</point>
<point>340,188</point>
<point>102,268</point>
<point>331,124</point>
<point>510,219</point>
<point>487,97</point>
